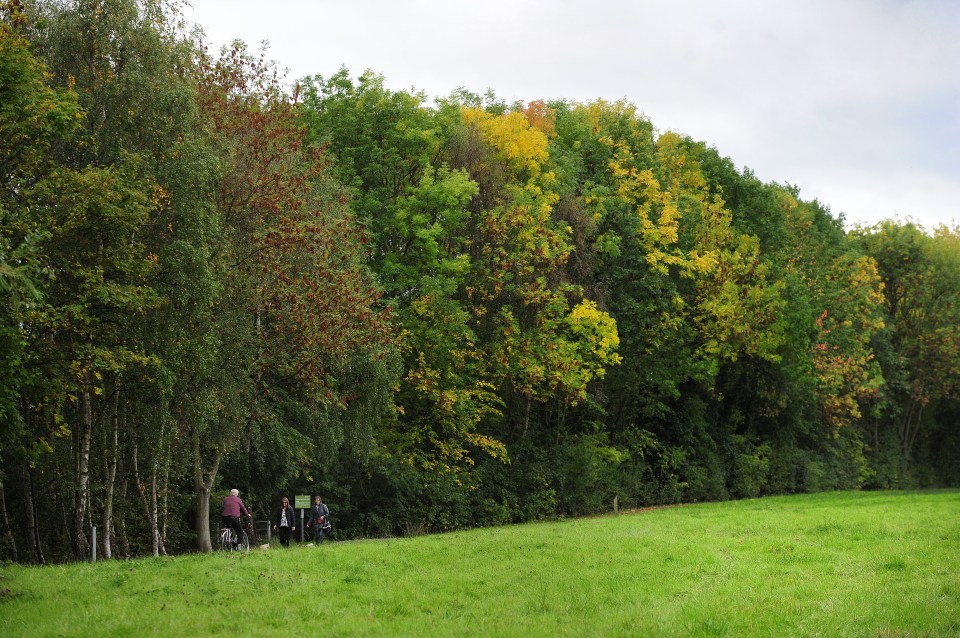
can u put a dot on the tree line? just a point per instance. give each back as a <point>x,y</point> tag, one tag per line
<point>437,314</point>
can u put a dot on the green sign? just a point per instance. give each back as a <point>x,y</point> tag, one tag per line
<point>301,501</point>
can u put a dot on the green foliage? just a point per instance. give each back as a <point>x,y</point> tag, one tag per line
<point>33,116</point>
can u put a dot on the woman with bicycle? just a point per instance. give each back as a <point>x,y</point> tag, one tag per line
<point>320,519</point>
<point>233,508</point>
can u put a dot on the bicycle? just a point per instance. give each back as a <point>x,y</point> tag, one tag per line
<point>230,543</point>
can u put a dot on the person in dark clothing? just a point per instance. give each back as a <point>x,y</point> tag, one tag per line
<point>233,508</point>
<point>285,522</point>
<point>320,519</point>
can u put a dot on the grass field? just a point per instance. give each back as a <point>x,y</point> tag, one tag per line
<point>842,564</point>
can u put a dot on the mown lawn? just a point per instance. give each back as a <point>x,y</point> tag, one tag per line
<point>844,564</point>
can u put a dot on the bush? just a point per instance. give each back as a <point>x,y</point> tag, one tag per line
<point>750,472</point>
<point>589,474</point>
<point>815,478</point>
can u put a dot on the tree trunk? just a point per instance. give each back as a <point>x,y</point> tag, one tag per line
<point>122,539</point>
<point>79,539</point>
<point>165,509</point>
<point>910,427</point>
<point>111,480</point>
<point>905,429</point>
<point>33,536</point>
<point>526,418</point>
<point>65,524</point>
<point>202,486</point>
<point>149,505</point>
<point>912,438</point>
<point>159,548</point>
<point>203,519</point>
<point>6,525</point>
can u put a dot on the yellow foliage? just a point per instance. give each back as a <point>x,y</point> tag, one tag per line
<point>511,135</point>
<point>598,328</point>
<point>600,110</point>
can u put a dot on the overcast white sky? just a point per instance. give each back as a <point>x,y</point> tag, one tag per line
<point>856,102</point>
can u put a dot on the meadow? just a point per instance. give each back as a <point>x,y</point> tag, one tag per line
<point>879,564</point>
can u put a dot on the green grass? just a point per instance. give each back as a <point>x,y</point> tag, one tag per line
<point>845,564</point>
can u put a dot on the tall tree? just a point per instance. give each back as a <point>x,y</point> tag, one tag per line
<point>33,116</point>
<point>921,276</point>
<point>297,292</point>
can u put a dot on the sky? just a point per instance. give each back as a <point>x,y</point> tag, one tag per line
<point>855,102</point>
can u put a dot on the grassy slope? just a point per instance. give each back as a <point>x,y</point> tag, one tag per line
<point>848,564</point>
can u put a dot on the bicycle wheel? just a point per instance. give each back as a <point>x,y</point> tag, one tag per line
<point>243,544</point>
<point>226,540</point>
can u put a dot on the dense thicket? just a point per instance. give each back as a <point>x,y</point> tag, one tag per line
<point>436,315</point>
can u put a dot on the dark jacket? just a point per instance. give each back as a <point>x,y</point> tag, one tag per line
<point>291,517</point>
<point>318,511</point>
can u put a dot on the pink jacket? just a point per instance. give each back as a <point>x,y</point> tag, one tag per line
<point>233,506</point>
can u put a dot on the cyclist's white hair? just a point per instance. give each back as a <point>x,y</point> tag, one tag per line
<point>234,493</point>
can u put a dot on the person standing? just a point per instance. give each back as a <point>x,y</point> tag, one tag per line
<point>320,519</point>
<point>233,508</point>
<point>285,522</point>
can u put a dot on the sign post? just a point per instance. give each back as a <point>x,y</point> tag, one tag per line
<point>301,502</point>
